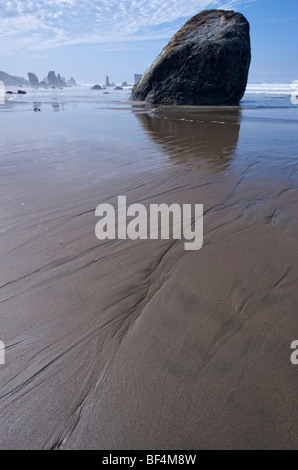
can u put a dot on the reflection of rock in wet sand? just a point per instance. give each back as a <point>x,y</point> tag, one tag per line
<point>37,105</point>
<point>57,106</point>
<point>191,134</point>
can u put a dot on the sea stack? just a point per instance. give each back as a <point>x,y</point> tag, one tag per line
<point>107,84</point>
<point>71,82</point>
<point>53,80</point>
<point>33,79</point>
<point>205,63</point>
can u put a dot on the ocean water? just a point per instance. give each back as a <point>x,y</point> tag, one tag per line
<point>275,95</point>
<point>105,127</point>
<point>257,95</point>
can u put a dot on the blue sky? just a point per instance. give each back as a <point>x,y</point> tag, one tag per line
<point>88,39</point>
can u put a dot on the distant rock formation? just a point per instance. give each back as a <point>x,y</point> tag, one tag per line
<point>61,80</point>
<point>107,84</point>
<point>137,77</point>
<point>205,63</point>
<point>10,80</point>
<point>71,82</point>
<point>55,81</point>
<point>22,92</point>
<point>124,84</point>
<point>118,88</point>
<point>52,80</point>
<point>33,79</point>
<point>96,87</point>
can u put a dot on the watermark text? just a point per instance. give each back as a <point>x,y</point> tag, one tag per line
<point>161,222</point>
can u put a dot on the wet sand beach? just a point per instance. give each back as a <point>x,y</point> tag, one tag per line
<point>139,344</point>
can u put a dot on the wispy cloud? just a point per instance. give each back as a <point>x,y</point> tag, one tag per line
<point>45,24</point>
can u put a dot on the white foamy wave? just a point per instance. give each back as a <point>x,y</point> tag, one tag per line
<point>272,88</point>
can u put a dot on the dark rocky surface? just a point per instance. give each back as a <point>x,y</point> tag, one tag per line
<point>205,63</point>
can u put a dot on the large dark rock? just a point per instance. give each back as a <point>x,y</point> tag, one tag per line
<point>205,63</point>
<point>33,79</point>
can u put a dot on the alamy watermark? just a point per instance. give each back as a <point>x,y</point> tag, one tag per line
<point>162,221</point>
<point>294,355</point>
